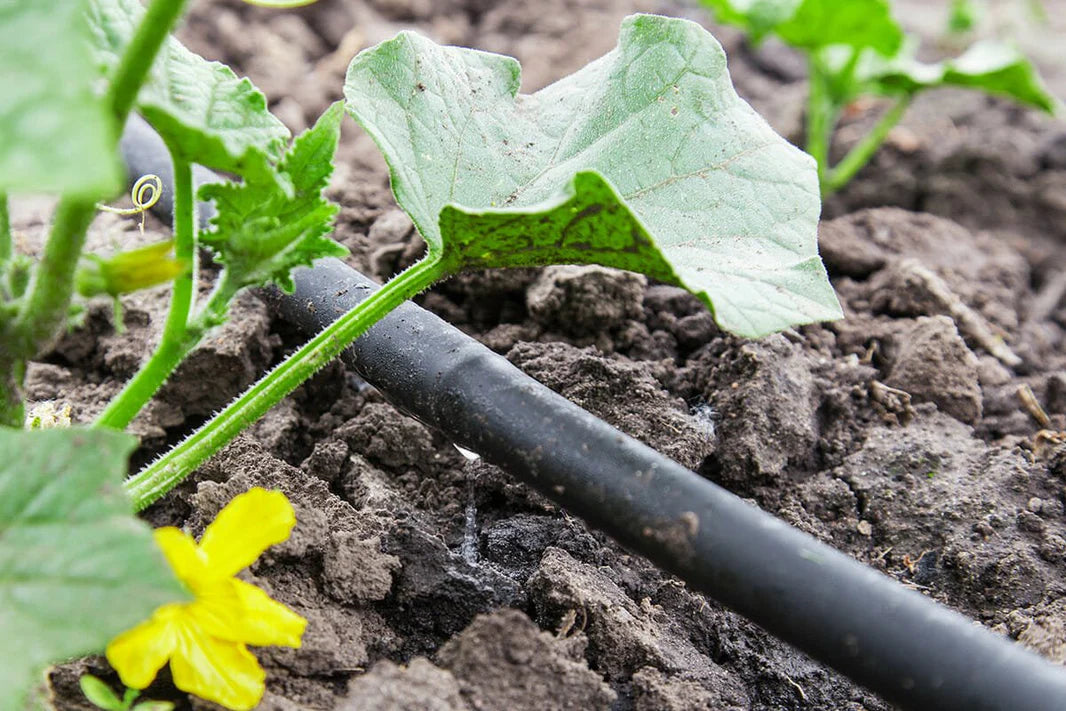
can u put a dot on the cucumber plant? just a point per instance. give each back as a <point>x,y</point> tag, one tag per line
<point>645,159</point>
<point>857,49</point>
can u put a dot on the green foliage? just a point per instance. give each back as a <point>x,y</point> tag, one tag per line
<point>646,159</point>
<point>856,23</point>
<point>815,23</point>
<point>203,111</point>
<point>963,16</point>
<point>101,696</point>
<point>857,48</point>
<point>55,134</point>
<point>265,227</point>
<point>756,17</point>
<point>990,66</point>
<point>76,567</point>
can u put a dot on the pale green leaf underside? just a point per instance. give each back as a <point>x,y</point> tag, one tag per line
<point>988,66</point>
<point>731,205</point>
<point>76,566</point>
<point>203,111</point>
<point>815,23</point>
<point>55,135</point>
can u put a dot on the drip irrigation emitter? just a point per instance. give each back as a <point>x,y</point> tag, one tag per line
<point>894,641</point>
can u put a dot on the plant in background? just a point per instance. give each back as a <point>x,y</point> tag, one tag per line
<point>102,697</point>
<point>857,49</point>
<point>963,16</point>
<point>645,160</point>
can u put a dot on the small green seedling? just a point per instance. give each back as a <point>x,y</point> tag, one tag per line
<point>857,49</point>
<point>963,16</point>
<point>102,697</point>
<point>646,160</point>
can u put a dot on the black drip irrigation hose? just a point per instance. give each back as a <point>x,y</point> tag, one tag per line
<point>894,641</point>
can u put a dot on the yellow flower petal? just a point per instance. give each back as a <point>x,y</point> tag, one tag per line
<point>138,654</point>
<point>236,611</point>
<point>188,562</point>
<point>267,622</point>
<point>223,672</point>
<point>218,609</point>
<point>247,526</point>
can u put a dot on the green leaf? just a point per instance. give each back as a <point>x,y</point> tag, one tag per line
<point>811,24</point>
<point>646,159</point>
<point>756,17</point>
<point>203,111</point>
<point>988,65</point>
<point>154,706</point>
<point>99,694</point>
<point>999,69</point>
<point>860,24</point>
<point>55,133</point>
<point>76,567</point>
<point>963,16</point>
<point>266,227</point>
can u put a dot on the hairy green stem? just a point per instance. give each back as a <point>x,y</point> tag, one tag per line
<point>177,339</point>
<point>169,470</point>
<point>44,310</point>
<point>822,113</point>
<point>862,151</point>
<point>5,229</point>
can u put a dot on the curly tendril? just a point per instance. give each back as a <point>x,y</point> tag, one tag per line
<point>145,193</point>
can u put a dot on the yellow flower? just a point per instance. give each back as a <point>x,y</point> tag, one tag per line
<point>204,640</point>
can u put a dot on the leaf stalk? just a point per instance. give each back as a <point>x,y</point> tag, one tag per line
<point>861,153</point>
<point>822,115</point>
<point>169,470</point>
<point>159,19</point>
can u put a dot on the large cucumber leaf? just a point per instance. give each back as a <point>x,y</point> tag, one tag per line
<point>55,134</point>
<point>646,159</point>
<point>203,111</point>
<point>76,566</point>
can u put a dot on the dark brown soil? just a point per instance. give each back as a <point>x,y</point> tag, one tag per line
<point>897,435</point>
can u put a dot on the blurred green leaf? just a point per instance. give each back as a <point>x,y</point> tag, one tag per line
<point>100,694</point>
<point>990,66</point>
<point>55,133</point>
<point>811,24</point>
<point>76,566</point>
